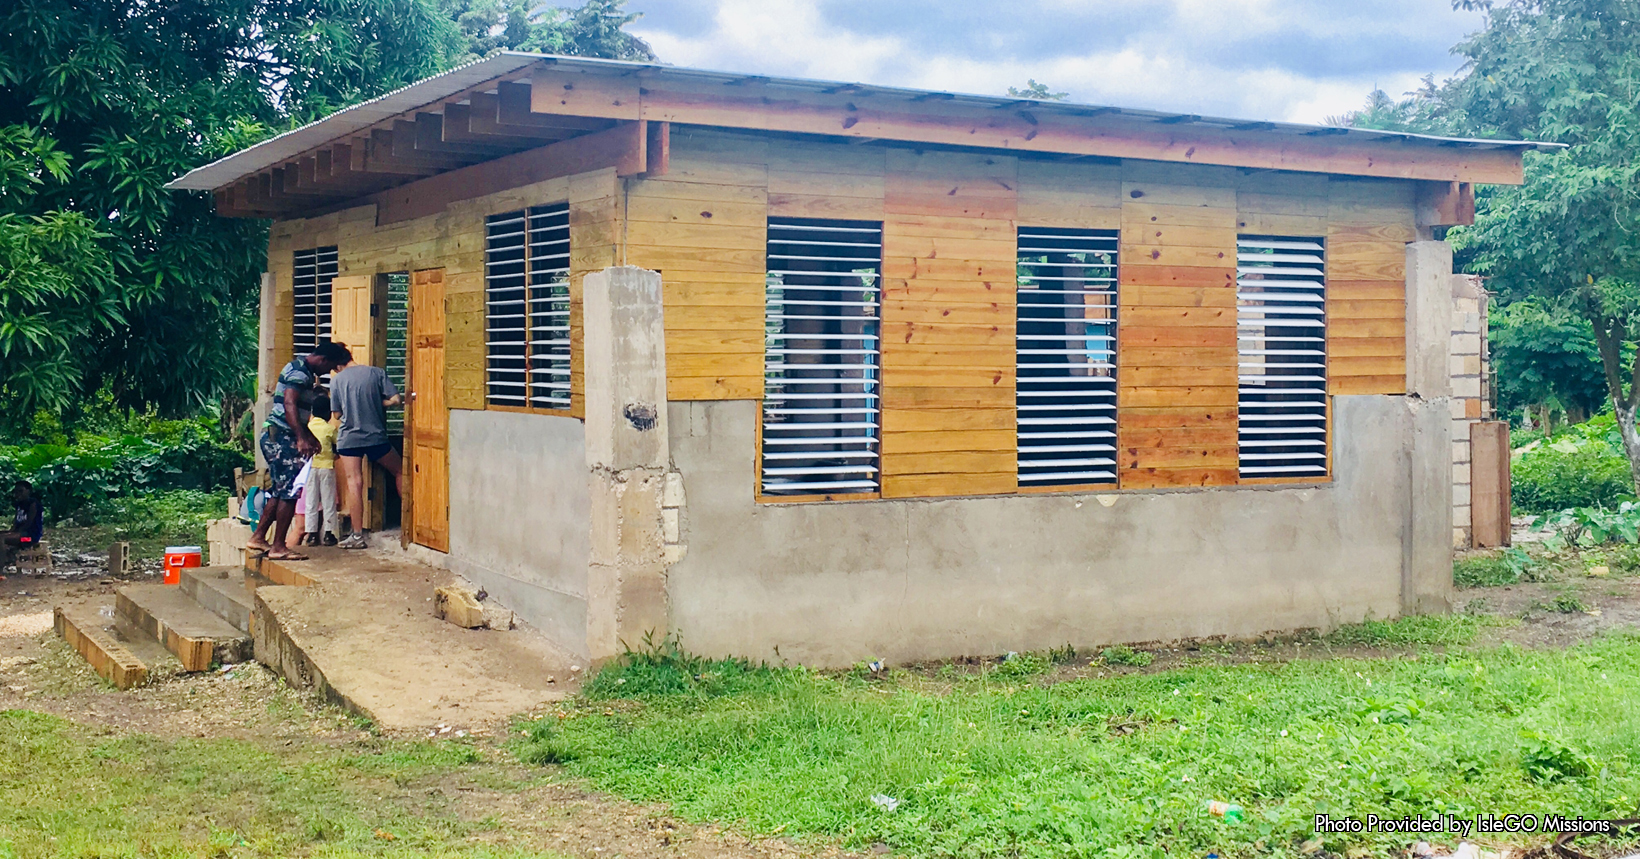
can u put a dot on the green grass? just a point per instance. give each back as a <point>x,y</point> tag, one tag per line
<point>67,790</point>
<point>986,765</point>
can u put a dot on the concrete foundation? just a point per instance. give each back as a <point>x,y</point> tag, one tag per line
<point>830,584</point>
<point>520,514</point>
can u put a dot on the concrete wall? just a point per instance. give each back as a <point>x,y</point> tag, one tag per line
<point>519,516</point>
<point>830,584</point>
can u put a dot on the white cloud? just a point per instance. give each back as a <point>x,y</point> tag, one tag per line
<point>1297,60</point>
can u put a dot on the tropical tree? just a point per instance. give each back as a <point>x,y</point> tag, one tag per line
<point>107,281</point>
<point>1545,359</point>
<point>1565,71</point>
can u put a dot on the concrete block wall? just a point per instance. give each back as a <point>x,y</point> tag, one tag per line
<point>1471,394</point>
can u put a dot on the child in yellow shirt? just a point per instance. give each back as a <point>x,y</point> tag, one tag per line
<point>321,484</point>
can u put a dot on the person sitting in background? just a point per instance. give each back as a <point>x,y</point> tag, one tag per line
<point>28,523</point>
<point>321,484</point>
<point>287,442</point>
<point>362,394</point>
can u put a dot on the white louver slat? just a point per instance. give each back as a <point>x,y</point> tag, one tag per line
<point>526,289</point>
<point>398,346</point>
<point>312,271</point>
<point>821,407</point>
<point>505,318</point>
<point>1282,351</point>
<point>1066,356</point>
<point>549,306</point>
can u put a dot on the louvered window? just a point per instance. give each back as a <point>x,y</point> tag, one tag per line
<point>821,390</point>
<point>1281,325</point>
<point>526,285</point>
<point>1066,356</point>
<point>398,351</point>
<point>313,270</point>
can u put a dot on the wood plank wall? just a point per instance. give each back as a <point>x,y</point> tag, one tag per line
<point>704,226</point>
<point>949,224</point>
<point>1176,327</point>
<point>454,240</point>
<point>948,323</point>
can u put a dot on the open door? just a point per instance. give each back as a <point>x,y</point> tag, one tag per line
<point>353,324</point>
<point>427,432</point>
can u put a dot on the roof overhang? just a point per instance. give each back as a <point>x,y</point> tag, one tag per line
<point>511,104</point>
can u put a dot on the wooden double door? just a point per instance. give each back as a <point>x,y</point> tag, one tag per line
<point>362,312</point>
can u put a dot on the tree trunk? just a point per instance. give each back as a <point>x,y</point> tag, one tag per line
<point>1608,338</point>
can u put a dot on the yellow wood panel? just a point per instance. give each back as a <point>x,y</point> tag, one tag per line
<point>664,210</point>
<point>947,485</point>
<point>1176,362</point>
<point>1366,365</point>
<point>1367,347</point>
<point>642,234</point>
<point>714,387</point>
<point>929,422</point>
<point>429,416</point>
<point>1346,385</point>
<point>824,206</point>
<point>1265,224</point>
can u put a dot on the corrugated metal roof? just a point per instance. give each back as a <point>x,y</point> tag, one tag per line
<point>283,147</point>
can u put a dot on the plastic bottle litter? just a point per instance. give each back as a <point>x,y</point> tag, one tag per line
<point>1231,812</point>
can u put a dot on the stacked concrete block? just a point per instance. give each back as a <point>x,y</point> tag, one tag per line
<point>1471,397</point>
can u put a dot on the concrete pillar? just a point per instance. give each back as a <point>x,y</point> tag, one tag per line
<point>627,458</point>
<point>267,367</point>
<point>1426,573</point>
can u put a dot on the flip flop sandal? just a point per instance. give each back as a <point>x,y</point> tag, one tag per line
<point>288,556</point>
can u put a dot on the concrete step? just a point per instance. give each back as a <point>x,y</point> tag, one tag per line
<point>192,632</point>
<point>84,629</point>
<point>224,591</point>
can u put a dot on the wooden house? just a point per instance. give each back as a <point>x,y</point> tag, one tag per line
<point>828,372</point>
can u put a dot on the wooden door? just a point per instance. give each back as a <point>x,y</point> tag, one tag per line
<point>351,322</point>
<point>428,427</point>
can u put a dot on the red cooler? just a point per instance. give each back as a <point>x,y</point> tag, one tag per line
<point>177,557</point>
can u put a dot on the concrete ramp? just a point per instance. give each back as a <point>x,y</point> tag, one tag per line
<point>359,629</point>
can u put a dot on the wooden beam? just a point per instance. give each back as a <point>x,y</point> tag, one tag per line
<point>658,149</point>
<point>621,147</point>
<point>459,127</point>
<point>852,114</point>
<point>348,159</point>
<point>379,152</point>
<point>487,119</point>
<point>1445,204</point>
<point>426,135</point>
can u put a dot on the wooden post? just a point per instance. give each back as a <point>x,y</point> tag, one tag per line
<point>1489,475</point>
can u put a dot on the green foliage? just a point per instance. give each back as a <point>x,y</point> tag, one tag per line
<point>1546,760</point>
<point>1596,526</point>
<point>1544,355</point>
<point>110,282</point>
<point>541,744</point>
<point>1565,71</point>
<point>1418,630</point>
<point>1121,654</point>
<point>1021,665</point>
<point>96,477</point>
<point>1491,570</point>
<point>1430,109</point>
<point>1124,766</point>
<point>1581,467</point>
<point>664,669</point>
<point>1036,91</point>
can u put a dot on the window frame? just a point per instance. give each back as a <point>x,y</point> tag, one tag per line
<point>1305,298</point>
<point>543,297</point>
<point>870,369</point>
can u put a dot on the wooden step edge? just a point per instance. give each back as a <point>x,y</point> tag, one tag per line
<point>107,656</point>
<point>277,572</point>
<point>195,654</point>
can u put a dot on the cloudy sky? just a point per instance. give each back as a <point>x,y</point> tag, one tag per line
<point>1296,60</point>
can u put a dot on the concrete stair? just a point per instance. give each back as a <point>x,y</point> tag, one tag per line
<point>227,592</point>
<point>198,636</point>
